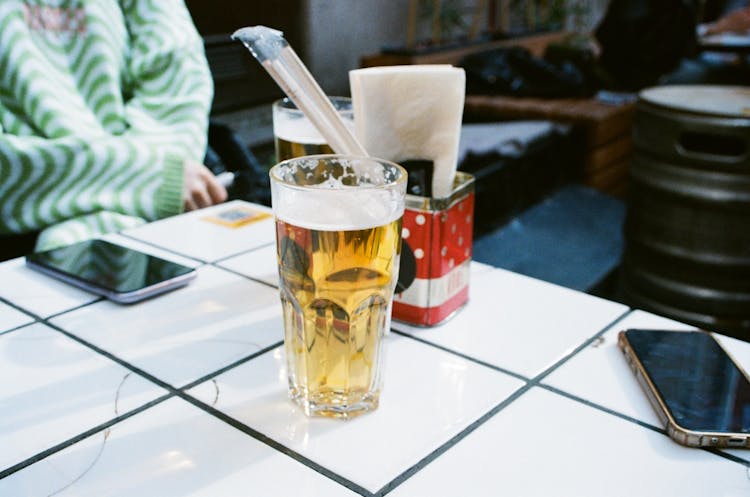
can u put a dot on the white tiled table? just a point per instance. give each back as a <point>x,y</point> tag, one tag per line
<point>523,392</point>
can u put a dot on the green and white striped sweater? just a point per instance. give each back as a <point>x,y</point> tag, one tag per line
<point>101,101</point>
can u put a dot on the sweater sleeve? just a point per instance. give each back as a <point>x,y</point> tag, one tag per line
<point>168,82</point>
<point>46,181</point>
<point>166,90</point>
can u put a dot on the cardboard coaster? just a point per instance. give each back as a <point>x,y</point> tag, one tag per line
<point>237,217</point>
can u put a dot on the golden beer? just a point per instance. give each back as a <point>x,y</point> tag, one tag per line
<point>294,134</point>
<point>336,290</point>
<point>338,244</point>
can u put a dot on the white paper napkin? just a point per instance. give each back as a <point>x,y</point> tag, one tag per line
<point>411,112</point>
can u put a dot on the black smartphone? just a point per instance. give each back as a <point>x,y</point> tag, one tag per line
<point>121,274</point>
<point>698,391</point>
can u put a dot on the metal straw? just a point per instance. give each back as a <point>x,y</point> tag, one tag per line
<point>285,67</point>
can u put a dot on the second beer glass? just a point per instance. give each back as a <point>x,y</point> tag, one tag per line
<point>338,232</point>
<point>294,134</point>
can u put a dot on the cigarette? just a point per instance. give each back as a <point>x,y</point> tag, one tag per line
<point>225,179</point>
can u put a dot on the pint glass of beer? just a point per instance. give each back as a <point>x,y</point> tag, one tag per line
<point>338,234</point>
<point>294,134</point>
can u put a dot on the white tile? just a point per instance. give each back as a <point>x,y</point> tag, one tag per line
<point>519,323</point>
<point>192,235</point>
<point>183,335</point>
<point>478,268</point>
<point>11,318</point>
<point>172,449</point>
<point>544,444</point>
<point>259,264</point>
<point>601,375</point>
<point>40,294</point>
<point>428,397</point>
<point>54,388</point>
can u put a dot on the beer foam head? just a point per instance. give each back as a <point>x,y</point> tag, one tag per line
<point>337,193</point>
<point>297,130</point>
<point>291,124</point>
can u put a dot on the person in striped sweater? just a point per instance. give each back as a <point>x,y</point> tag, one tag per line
<point>103,117</point>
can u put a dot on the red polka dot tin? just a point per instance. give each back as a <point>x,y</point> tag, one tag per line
<point>435,256</point>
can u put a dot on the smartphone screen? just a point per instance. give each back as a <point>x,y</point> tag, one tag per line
<point>119,273</point>
<point>700,385</point>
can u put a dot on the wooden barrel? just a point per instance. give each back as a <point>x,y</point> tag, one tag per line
<point>687,229</point>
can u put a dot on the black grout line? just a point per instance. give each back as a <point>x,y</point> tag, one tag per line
<point>602,408</point>
<point>38,318</point>
<point>173,391</point>
<point>114,358</point>
<point>461,355</point>
<point>21,309</point>
<point>82,436</point>
<point>731,457</point>
<point>643,424</point>
<point>537,379</point>
<point>162,248</point>
<point>243,252</point>
<point>476,424</point>
<point>197,259</point>
<point>18,328</point>
<point>250,278</point>
<point>209,410</point>
<point>422,463</point>
<point>81,306</point>
<point>218,414</point>
<point>232,365</point>
<point>260,437</point>
<point>34,317</point>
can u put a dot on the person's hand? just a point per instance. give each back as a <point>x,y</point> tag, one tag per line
<point>200,187</point>
<point>737,21</point>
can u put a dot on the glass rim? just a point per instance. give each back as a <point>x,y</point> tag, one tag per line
<point>287,105</point>
<point>275,177</point>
